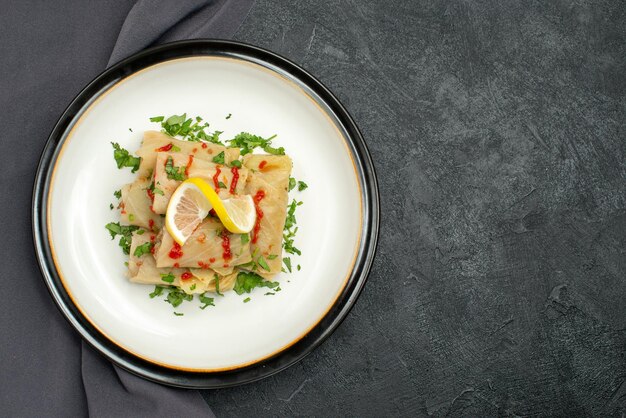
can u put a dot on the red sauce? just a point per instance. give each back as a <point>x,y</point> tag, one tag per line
<point>226,265</point>
<point>211,260</point>
<point>204,145</point>
<point>226,246</point>
<point>233,184</point>
<point>194,150</point>
<point>216,179</point>
<point>152,247</point>
<point>203,265</point>
<point>186,276</point>
<point>262,164</point>
<point>259,215</point>
<point>165,148</point>
<point>189,162</point>
<point>176,251</point>
<point>150,194</point>
<point>151,223</point>
<point>176,265</point>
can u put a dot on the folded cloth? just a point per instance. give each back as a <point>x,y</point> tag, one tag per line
<point>49,53</point>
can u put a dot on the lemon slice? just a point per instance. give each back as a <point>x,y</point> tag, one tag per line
<point>191,203</point>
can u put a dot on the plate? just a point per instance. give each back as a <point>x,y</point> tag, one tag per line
<point>233,342</point>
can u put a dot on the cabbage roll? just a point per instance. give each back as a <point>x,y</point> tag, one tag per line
<point>268,184</point>
<point>210,246</point>
<point>155,142</point>
<point>135,206</point>
<point>143,270</point>
<point>193,167</point>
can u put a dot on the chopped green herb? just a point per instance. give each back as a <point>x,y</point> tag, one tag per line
<point>117,194</point>
<point>292,183</point>
<point>207,301</point>
<point>217,285</point>
<point>270,294</point>
<point>187,128</point>
<point>235,163</point>
<point>245,238</point>
<point>125,231</point>
<point>158,191</point>
<point>131,217</point>
<point>192,287</point>
<point>175,148</point>
<point>221,185</point>
<point>298,267</point>
<point>272,256</point>
<point>247,143</point>
<point>261,262</point>
<point>124,159</point>
<point>141,232</point>
<point>302,186</point>
<point>130,129</point>
<point>157,118</point>
<point>219,158</point>
<point>287,262</point>
<point>246,300</point>
<point>167,278</point>
<point>173,172</point>
<point>176,296</point>
<point>289,230</point>
<point>111,206</point>
<point>229,115</point>
<point>158,290</point>
<point>143,249</point>
<point>248,281</point>
<point>178,314</point>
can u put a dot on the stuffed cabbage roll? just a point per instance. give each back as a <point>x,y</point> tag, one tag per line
<point>169,165</point>
<point>268,184</point>
<point>155,142</point>
<point>135,206</point>
<point>142,269</point>
<point>210,246</point>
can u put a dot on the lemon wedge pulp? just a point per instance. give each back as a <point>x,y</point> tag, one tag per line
<point>191,203</point>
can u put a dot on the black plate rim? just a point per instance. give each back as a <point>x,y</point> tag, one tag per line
<point>296,351</point>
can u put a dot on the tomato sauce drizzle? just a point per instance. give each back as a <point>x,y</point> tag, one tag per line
<point>186,276</point>
<point>176,251</point>
<point>259,215</point>
<point>165,148</point>
<point>216,179</point>
<point>189,162</point>
<point>262,164</point>
<point>226,246</point>
<point>204,145</point>
<point>233,184</point>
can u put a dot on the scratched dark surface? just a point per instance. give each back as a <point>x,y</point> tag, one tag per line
<point>498,132</point>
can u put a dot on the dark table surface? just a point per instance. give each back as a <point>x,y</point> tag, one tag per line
<point>498,132</point>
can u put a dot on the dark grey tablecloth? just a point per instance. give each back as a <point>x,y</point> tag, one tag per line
<point>48,52</point>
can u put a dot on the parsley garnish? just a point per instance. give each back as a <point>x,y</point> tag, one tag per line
<point>221,185</point>
<point>287,262</point>
<point>270,294</point>
<point>298,267</point>
<point>229,115</point>
<point>158,290</point>
<point>261,262</point>
<point>246,300</point>
<point>126,232</point>
<point>217,285</point>
<point>117,194</point>
<point>245,238</point>
<point>187,128</point>
<point>248,142</point>
<point>292,183</point>
<point>168,278</point>
<point>176,296</point>
<point>193,287</point>
<point>173,172</point>
<point>124,159</point>
<point>178,313</point>
<point>143,249</point>
<point>248,281</point>
<point>302,186</point>
<point>111,206</point>
<point>131,217</point>
<point>272,256</point>
<point>207,301</point>
<point>235,163</point>
<point>219,158</point>
<point>289,230</point>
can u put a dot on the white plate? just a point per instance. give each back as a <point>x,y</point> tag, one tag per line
<point>231,334</point>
